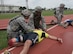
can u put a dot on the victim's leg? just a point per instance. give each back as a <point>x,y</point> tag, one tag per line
<point>31,40</point>
<point>26,47</point>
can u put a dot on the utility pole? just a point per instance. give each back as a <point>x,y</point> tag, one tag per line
<point>27,4</point>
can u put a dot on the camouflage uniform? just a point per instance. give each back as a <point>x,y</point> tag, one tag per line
<point>17,25</point>
<point>35,20</point>
<point>59,13</point>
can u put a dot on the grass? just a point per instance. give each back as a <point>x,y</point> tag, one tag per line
<point>7,15</point>
<point>48,13</point>
<point>3,40</point>
<point>66,12</point>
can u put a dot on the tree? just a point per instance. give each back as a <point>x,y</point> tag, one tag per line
<point>22,8</point>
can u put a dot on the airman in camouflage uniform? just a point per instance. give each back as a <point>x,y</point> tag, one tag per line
<point>36,18</point>
<point>59,13</point>
<point>19,24</point>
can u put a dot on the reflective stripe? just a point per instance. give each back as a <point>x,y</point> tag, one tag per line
<point>35,39</point>
<point>21,38</point>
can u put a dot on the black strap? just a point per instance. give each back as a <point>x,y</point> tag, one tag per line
<point>43,35</point>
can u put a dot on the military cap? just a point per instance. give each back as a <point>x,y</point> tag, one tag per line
<point>26,12</point>
<point>38,8</point>
<point>62,5</point>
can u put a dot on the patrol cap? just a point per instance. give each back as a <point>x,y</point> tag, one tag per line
<point>26,12</point>
<point>38,8</point>
<point>62,5</point>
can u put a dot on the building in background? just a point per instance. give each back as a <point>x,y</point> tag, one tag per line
<point>9,8</point>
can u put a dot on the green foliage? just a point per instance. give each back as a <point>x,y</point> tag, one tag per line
<point>3,39</point>
<point>22,8</point>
